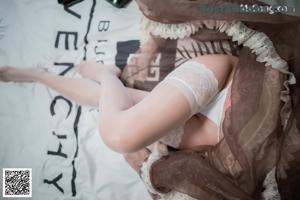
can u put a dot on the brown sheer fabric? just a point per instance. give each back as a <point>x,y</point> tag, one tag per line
<point>177,11</point>
<point>254,139</point>
<point>233,168</point>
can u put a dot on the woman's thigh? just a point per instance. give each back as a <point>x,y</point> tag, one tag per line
<point>220,65</point>
<point>199,130</point>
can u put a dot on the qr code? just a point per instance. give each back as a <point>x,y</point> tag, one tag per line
<point>17,182</point>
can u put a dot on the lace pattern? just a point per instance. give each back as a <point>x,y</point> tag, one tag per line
<point>173,138</point>
<point>198,84</point>
<point>159,150</point>
<point>262,46</point>
<point>271,188</point>
<point>171,31</point>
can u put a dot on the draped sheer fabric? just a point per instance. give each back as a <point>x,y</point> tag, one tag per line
<point>261,127</point>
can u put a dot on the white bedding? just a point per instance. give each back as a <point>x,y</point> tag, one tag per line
<point>33,32</point>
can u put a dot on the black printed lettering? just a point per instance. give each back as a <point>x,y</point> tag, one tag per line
<point>98,52</point>
<point>53,103</point>
<point>103,25</point>
<point>67,34</point>
<point>59,136</point>
<point>68,65</point>
<point>54,182</point>
<point>124,49</point>
<point>58,152</point>
<point>68,5</point>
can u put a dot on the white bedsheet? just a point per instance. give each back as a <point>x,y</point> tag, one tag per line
<point>29,35</point>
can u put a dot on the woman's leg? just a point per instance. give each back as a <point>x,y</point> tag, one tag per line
<point>126,127</point>
<point>83,91</point>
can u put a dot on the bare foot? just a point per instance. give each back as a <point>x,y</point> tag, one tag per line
<point>8,74</point>
<point>93,70</point>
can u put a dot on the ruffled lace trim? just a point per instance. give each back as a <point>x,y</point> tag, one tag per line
<point>171,31</point>
<point>159,150</point>
<point>258,42</point>
<point>262,46</point>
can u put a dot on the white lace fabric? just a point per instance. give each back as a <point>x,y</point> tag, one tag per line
<point>198,84</point>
